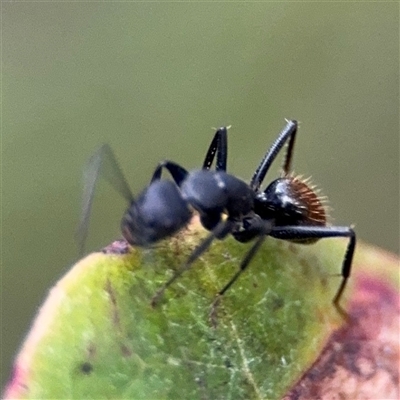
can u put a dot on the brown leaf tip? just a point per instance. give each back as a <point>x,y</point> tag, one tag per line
<point>117,247</point>
<point>361,359</point>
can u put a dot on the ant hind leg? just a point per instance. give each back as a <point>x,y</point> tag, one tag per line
<point>321,232</point>
<point>289,131</point>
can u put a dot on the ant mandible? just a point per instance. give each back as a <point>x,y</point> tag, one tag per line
<point>288,209</point>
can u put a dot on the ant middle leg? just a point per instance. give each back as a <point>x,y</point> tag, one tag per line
<point>243,265</point>
<point>257,228</point>
<point>220,232</point>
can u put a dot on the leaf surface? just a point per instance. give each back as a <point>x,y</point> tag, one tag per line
<point>97,336</point>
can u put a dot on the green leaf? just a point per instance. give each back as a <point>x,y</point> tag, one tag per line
<point>97,335</point>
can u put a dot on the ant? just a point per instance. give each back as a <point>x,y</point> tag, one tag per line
<point>288,209</point>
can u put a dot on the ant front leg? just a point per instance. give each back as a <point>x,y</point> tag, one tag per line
<point>177,172</point>
<point>314,232</point>
<point>218,145</point>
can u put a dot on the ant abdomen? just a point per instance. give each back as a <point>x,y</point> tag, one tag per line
<point>291,201</point>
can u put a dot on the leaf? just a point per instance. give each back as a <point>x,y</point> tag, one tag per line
<point>97,336</point>
<point>361,359</point>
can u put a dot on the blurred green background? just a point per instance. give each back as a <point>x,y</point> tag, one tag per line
<point>152,79</point>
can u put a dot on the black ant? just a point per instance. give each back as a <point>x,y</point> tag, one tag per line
<point>287,209</point>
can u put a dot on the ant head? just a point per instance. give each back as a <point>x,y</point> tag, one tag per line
<point>157,213</point>
<point>291,201</point>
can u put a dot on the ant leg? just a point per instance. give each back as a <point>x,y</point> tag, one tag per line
<point>102,163</point>
<point>219,144</point>
<point>177,172</point>
<point>221,231</point>
<point>287,164</point>
<point>289,131</point>
<point>252,227</point>
<point>259,228</point>
<point>311,232</point>
<point>244,264</point>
